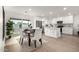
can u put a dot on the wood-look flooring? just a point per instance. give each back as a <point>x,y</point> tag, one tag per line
<point>66,43</point>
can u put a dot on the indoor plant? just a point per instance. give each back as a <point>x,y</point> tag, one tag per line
<point>9,29</point>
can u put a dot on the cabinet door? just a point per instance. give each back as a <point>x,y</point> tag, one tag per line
<point>68,19</point>
<point>67,30</point>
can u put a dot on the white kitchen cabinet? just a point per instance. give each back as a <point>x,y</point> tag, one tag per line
<point>52,32</point>
<point>67,30</point>
<point>67,19</point>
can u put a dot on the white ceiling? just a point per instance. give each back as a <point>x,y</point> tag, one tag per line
<point>55,11</point>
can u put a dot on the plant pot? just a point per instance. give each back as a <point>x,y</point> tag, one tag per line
<point>9,37</point>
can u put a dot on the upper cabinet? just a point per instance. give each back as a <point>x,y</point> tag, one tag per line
<point>66,20</point>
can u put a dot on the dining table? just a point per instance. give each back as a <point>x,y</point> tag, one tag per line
<point>29,32</point>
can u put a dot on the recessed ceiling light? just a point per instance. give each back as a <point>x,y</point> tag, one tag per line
<point>65,8</point>
<point>50,13</point>
<point>30,9</point>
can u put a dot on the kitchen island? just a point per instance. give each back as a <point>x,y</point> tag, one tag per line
<point>52,32</point>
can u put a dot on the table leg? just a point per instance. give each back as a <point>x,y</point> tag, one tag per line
<point>78,33</point>
<point>29,39</point>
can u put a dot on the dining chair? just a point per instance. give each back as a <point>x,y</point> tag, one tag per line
<point>22,37</point>
<point>37,37</point>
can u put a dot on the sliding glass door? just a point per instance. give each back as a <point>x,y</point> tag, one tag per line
<point>19,26</point>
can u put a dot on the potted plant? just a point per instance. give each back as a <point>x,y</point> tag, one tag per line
<point>9,29</point>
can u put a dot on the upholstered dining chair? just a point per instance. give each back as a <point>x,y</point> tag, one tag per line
<point>37,37</point>
<point>22,37</point>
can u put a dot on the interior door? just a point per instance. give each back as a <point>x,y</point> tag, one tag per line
<point>39,24</point>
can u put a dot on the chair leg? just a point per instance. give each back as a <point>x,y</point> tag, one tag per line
<point>35,43</point>
<point>40,41</point>
<point>22,41</point>
<point>19,40</point>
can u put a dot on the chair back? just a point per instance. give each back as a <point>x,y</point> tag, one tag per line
<point>38,33</point>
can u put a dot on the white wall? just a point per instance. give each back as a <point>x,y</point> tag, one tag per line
<point>1,30</point>
<point>14,14</point>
